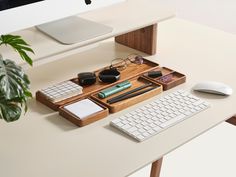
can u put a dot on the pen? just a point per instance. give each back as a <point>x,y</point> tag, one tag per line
<point>131,95</point>
<point>129,92</point>
<point>115,89</point>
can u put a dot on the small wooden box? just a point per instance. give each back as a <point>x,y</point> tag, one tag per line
<point>85,121</point>
<point>177,78</point>
<point>136,82</point>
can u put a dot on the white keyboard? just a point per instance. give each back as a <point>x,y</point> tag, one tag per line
<point>159,115</point>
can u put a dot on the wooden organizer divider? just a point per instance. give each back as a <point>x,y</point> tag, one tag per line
<point>178,78</point>
<point>136,82</point>
<point>131,71</point>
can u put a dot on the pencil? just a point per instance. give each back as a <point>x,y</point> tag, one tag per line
<point>131,95</point>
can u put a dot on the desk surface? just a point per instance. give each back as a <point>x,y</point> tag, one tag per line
<point>44,144</point>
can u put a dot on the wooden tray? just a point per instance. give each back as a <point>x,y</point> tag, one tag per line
<point>136,82</point>
<point>85,121</point>
<point>177,78</point>
<point>131,71</point>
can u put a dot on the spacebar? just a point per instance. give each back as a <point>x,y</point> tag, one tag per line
<point>172,121</point>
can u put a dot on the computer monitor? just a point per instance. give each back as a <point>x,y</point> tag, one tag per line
<point>53,17</point>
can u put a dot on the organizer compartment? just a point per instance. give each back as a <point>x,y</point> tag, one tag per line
<point>87,120</point>
<point>136,82</point>
<point>177,78</point>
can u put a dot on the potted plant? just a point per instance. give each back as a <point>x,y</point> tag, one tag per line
<point>14,83</point>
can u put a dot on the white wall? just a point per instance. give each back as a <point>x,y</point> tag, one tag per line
<point>219,14</point>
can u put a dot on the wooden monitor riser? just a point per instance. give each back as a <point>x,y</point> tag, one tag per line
<point>143,39</point>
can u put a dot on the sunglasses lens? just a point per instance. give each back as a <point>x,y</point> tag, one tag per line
<point>138,60</point>
<point>119,64</point>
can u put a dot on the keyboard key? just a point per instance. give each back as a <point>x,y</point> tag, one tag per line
<point>116,121</point>
<point>140,137</point>
<point>162,120</point>
<point>157,129</point>
<point>187,113</point>
<point>127,127</point>
<point>136,133</point>
<point>132,129</point>
<point>157,122</point>
<point>151,132</point>
<point>141,130</point>
<point>146,134</point>
<point>120,124</point>
<point>198,102</point>
<point>171,121</point>
<point>147,128</point>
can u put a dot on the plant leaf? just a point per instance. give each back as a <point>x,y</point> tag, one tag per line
<point>9,111</point>
<point>17,43</point>
<point>14,82</point>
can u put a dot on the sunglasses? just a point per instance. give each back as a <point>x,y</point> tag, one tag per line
<point>122,63</point>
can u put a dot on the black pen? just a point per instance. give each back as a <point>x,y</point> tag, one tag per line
<point>131,95</point>
<point>129,92</point>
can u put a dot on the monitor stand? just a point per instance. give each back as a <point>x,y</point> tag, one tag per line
<point>73,30</point>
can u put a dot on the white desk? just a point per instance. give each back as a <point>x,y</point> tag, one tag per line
<point>44,144</point>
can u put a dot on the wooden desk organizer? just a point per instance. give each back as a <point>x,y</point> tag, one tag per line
<point>136,74</point>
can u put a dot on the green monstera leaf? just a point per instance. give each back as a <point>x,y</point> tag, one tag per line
<point>20,46</point>
<point>14,90</point>
<point>14,82</point>
<point>9,111</point>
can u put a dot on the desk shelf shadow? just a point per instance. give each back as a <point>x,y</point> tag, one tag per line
<point>135,74</point>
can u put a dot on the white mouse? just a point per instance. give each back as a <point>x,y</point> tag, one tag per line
<point>213,87</point>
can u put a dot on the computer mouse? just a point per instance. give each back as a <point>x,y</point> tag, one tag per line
<point>214,88</point>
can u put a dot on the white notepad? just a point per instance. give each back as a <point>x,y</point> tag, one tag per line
<point>83,108</point>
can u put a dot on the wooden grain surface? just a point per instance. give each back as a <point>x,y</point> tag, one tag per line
<point>144,39</point>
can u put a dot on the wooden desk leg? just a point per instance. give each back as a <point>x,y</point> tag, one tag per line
<point>143,39</point>
<point>156,168</point>
<point>232,120</point>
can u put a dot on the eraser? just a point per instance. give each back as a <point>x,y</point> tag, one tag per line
<point>154,74</point>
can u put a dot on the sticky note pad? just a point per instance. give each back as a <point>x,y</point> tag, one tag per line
<point>83,108</point>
